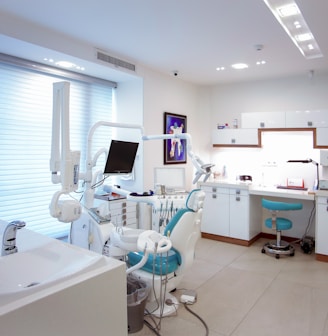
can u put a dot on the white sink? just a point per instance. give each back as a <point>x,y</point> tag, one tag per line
<point>32,269</point>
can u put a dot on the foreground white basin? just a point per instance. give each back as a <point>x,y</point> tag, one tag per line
<point>34,268</point>
<point>24,270</point>
<point>53,288</point>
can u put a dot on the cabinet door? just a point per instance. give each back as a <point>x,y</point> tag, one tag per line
<point>235,137</point>
<point>321,228</point>
<point>307,118</point>
<point>263,120</point>
<point>239,214</point>
<point>322,137</point>
<point>215,217</point>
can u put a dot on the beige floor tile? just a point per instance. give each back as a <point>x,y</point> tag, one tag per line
<point>287,308</point>
<point>242,292</point>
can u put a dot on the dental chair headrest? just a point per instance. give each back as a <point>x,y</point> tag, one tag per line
<point>195,200</point>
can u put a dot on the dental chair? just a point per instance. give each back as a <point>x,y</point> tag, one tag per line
<point>163,272</point>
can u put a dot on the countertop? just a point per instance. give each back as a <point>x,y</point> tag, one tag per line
<point>266,190</point>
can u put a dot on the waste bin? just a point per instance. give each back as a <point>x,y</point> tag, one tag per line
<point>137,294</point>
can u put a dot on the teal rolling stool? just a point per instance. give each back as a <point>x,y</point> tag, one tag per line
<point>279,224</point>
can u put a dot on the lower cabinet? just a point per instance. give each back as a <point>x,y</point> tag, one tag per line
<point>321,227</point>
<point>123,213</point>
<point>227,213</point>
<point>215,217</point>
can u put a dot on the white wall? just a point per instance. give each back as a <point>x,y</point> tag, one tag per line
<point>166,93</point>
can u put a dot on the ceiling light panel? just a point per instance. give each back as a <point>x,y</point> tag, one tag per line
<point>291,19</point>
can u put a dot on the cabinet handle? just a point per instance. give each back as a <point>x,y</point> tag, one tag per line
<point>233,141</point>
<point>237,198</point>
<point>213,195</point>
<point>238,192</point>
<point>262,124</point>
<point>309,123</point>
<point>213,189</point>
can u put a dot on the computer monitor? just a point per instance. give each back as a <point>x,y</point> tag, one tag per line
<point>121,157</point>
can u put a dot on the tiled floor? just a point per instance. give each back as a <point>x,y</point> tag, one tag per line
<point>242,292</point>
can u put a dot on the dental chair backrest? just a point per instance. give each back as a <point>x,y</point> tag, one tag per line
<point>184,229</point>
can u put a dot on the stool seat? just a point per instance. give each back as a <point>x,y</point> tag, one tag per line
<point>279,247</point>
<point>281,223</point>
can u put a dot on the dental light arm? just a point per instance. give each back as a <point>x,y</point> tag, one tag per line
<point>201,168</point>
<point>316,183</point>
<point>64,163</point>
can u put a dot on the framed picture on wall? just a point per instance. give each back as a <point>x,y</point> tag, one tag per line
<point>175,150</point>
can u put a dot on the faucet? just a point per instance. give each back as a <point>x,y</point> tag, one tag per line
<point>9,237</point>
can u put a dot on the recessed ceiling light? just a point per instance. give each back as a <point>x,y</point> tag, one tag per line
<point>239,66</point>
<point>261,62</point>
<point>220,68</point>
<point>65,64</point>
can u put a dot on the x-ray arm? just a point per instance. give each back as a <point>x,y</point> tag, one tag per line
<point>201,168</point>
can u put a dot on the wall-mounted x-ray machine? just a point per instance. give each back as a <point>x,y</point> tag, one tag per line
<point>65,163</point>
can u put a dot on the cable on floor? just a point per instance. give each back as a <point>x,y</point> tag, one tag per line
<point>200,319</point>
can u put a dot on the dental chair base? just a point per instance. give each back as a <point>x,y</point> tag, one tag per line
<point>160,302</point>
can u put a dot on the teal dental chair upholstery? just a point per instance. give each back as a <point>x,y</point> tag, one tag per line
<point>279,247</point>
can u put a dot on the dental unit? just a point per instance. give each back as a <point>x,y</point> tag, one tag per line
<point>142,249</point>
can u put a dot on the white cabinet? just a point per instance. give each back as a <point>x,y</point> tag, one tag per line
<point>263,120</point>
<point>215,217</point>
<point>321,228</point>
<point>123,213</point>
<point>235,137</point>
<point>322,137</point>
<point>307,118</point>
<point>227,213</point>
<point>239,214</point>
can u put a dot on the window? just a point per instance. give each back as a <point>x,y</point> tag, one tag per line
<point>25,140</point>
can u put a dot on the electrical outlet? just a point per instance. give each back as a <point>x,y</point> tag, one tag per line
<point>270,163</point>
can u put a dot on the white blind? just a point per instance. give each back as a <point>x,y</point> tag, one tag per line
<point>25,141</point>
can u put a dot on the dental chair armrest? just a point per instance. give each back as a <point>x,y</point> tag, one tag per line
<point>140,264</point>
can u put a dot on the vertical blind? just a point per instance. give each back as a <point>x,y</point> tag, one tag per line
<point>25,141</point>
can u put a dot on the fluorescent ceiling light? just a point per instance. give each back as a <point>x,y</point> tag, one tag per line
<point>304,37</point>
<point>239,66</point>
<point>288,10</point>
<point>291,19</point>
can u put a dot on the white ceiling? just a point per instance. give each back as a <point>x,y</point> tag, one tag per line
<point>193,37</point>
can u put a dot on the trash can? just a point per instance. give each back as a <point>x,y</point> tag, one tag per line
<point>137,294</point>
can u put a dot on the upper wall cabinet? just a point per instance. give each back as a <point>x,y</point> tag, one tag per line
<point>235,137</point>
<point>313,118</point>
<point>321,140</point>
<point>263,120</point>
